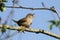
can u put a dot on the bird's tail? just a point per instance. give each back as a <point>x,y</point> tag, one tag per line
<point>14,20</point>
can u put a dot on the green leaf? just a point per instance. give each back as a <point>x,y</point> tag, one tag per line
<point>4,0</point>
<point>2,7</point>
<point>52,21</point>
<point>50,26</point>
<point>3,30</point>
<point>55,22</point>
<point>58,24</point>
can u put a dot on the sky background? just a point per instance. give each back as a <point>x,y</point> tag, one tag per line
<point>40,20</point>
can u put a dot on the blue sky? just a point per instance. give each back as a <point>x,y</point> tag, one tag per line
<point>40,20</point>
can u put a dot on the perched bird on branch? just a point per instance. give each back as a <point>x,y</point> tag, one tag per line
<point>26,21</point>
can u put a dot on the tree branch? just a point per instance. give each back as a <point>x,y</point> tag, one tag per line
<point>45,8</point>
<point>51,9</point>
<point>33,30</point>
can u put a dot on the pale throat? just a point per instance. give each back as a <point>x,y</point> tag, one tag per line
<point>29,19</point>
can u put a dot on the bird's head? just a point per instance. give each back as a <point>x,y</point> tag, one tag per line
<point>30,15</point>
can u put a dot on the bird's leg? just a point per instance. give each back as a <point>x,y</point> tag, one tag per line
<point>21,29</point>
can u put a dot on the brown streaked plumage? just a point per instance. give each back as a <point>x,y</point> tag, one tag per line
<point>26,21</point>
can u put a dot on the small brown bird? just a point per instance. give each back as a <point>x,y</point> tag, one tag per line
<point>26,21</point>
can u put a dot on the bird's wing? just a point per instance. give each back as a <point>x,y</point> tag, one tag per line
<point>22,20</point>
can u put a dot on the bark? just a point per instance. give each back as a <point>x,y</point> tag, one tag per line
<point>33,31</point>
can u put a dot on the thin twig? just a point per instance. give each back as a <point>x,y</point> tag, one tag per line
<point>45,8</point>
